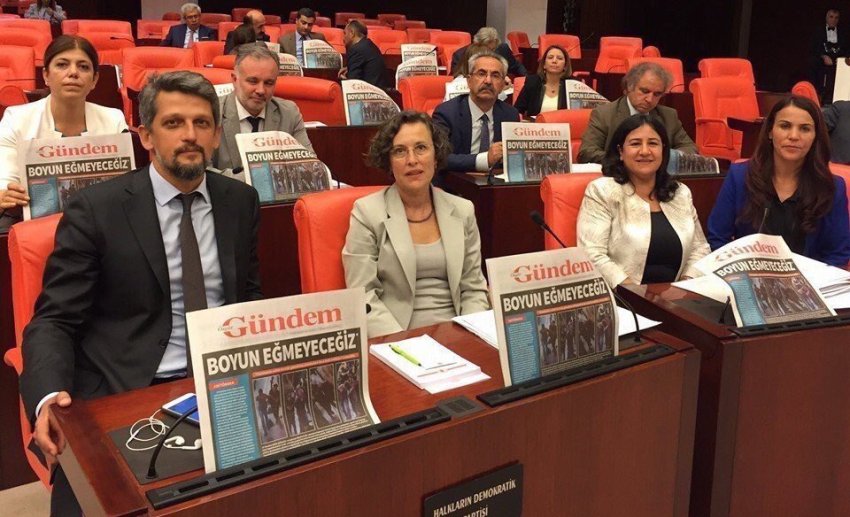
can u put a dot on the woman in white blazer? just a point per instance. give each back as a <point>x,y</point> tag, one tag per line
<point>638,225</point>
<point>70,72</point>
<point>414,248</point>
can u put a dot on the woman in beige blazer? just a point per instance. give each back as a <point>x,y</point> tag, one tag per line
<point>638,225</point>
<point>414,248</point>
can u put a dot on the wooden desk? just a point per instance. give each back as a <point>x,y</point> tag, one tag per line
<point>773,419</point>
<point>750,130</point>
<point>619,444</point>
<point>502,209</point>
<point>342,148</point>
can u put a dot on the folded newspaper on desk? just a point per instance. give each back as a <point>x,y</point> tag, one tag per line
<point>415,66</point>
<point>365,104</point>
<point>289,66</point>
<point>582,96</point>
<point>54,169</point>
<point>553,312</point>
<point>414,50</point>
<point>760,278</point>
<point>276,374</point>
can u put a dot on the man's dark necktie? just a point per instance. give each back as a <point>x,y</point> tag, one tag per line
<point>485,134</point>
<point>255,124</point>
<point>194,291</point>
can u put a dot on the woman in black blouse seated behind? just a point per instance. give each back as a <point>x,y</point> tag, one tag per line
<point>545,91</point>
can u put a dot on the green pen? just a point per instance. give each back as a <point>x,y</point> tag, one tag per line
<point>397,349</point>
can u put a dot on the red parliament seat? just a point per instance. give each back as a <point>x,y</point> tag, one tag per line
<point>807,90</point>
<point>651,51</point>
<point>568,42</point>
<point>403,25</point>
<point>335,37</point>
<point>562,195</point>
<point>11,95</point>
<point>674,66</point>
<point>153,29</point>
<point>138,62</point>
<point>30,243</point>
<point>614,51</point>
<point>423,92</point>
<point>323,21</point>
<point>213,75</point>
<point>238,13</point>
<point>227,61</point>
<point>172,16</point>
<point>33,39</point>
<point>419,34</point>
<point>42,26</point>
<point>212,20</point>
<point>390,19</point>
<point>17,67</point>
<point>342,19</point>
<point>108,45</point>
<point>322,221</point>
<point>727,67</point>
<point>89,26</point>
<point>716,99</point>
<point>389,41</point>
<point>577,119</point>
<point>518,40</point>
<point>205,51</point>
<point>317,99</point>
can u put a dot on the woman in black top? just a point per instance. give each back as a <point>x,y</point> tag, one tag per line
<point>545,90</point>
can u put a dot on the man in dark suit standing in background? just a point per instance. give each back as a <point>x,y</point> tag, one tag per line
<point>829,43</point>
<point>133,255</point>
<point>489,37</point>
<point>190,31</point>
<point>471,119</point>
<point>365,61</point>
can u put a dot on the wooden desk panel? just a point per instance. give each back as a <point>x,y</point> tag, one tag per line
<point>343,149</point>
<point>773,417</point>
<point>587,447</point>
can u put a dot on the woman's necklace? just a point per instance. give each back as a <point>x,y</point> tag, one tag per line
<point>415,221</point>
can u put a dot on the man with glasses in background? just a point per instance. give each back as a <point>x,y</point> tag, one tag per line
<point>474,121</point>
<point>645,85</point>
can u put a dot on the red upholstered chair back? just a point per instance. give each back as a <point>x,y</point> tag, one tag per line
<point>843,171</point>
<point>9,16</point>
<point>651,51</point>
<point>423,93</point>
<point>273,31</point>
<point>457,38</point>
<point>322,21</point>
<point>518,40</point>
<point>17,68</point>
<point>322,221</point>
<point>212,20</point>
<point>237,13</point>
<point>334,36</point>
<point>614,51</point>
<point>372,23</point>
<point>578,121</point>
<point>273,19</point>
<point>213,75</point>
<point>11,95</point>
<point>715,99</point>
<point>727,67</point>
<point>674,66</point>
<point>519,84</point>
<point>562,195</point>
<point>403,25</point>
<point>42,26</point>
<point>341,19</point>
<point>318,99</point>
<point>33,39</point>
<point>153,29</point>
<point>110,26</point>
<point>172,16</point>
<point>140,61</point>
<point>807,90</point>
<point>30,243</point>
<point>224,29</point>
<point>572,44</point>
<point>389,42</point>
<point>205,51</point>
<point>390,19</point>
<point>228,61</point>
<point>445,53</point>
<point>108,45</point>
<point>420,35</point>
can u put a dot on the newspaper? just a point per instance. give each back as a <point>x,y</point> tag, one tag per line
<point>366,105</point>
<point>422,65</point>
<point>531,152</point>
<point>274,47</point>
<point>289,66</point>
<point>279,167</point>
<point>276,374</point>
<point>456,87</point>
<point>54,169</point>
<point>412,50</point>
<point>582,96</point>
<point>841,89</point>
<point>553,312</point>
<point>319,54</point>
<point>688,164</point>
<point>763,281</point>
<point>223,90</point>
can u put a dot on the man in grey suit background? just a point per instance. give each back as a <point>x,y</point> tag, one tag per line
<point>645,85</point>
<point>252,107</point>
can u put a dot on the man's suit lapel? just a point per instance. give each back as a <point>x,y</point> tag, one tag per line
<point>226,222</point>
<point>399,233</point>
<point>451,233</point>
<point>140,208</point>
<point>273,117</point>
<point>464,122</point>
<point>230,128</point>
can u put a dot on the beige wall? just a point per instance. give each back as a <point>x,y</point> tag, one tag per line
<point>154,9</point>
<point>517,15</point>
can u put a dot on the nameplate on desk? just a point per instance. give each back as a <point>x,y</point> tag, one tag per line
<point>495,494</point>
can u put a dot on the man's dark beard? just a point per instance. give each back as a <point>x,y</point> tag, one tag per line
<point>186,172</point>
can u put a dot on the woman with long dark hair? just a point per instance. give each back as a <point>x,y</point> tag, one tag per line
<point>546,90</point>
<point>638,224</point>
<point>786,188</point>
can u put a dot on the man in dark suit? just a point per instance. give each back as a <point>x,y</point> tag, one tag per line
<point>645,84</point>
<point>489,37</point>
<point>829,43</point>
<point>252,106</point>
<point>365,61</point>
<point>132,256</point>
<point>837,118</point>
<point>471,119</point>
<point>292,42</point>
<point>254,19</point>
<point>190,31</point>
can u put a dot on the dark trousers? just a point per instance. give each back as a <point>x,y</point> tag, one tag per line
<point>63,502</point>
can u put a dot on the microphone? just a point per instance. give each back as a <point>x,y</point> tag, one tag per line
<point>581,42</point>
<point>538,220</point>
<point>491,177</point>
<point>763,218</point>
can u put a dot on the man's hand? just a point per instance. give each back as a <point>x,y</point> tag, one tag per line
<point>47,434</point>
<point>827,60</point>
<point>13,196</point>
<point>343,72</point>
<point>494,154</point>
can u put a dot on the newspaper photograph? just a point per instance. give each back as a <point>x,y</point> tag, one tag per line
<point>279,167</point>
<point>412,50</point>
<point>553,312</point>
<point>289,66</point>
<point>764,283</point>
<point>685,164</point>
<point>582,96</point>
<point>319,54</point>
<point>530,152</point>
<point>422,65</point>
<point>272,375</point>
<point>53,169</point>
<point>365,104</point>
